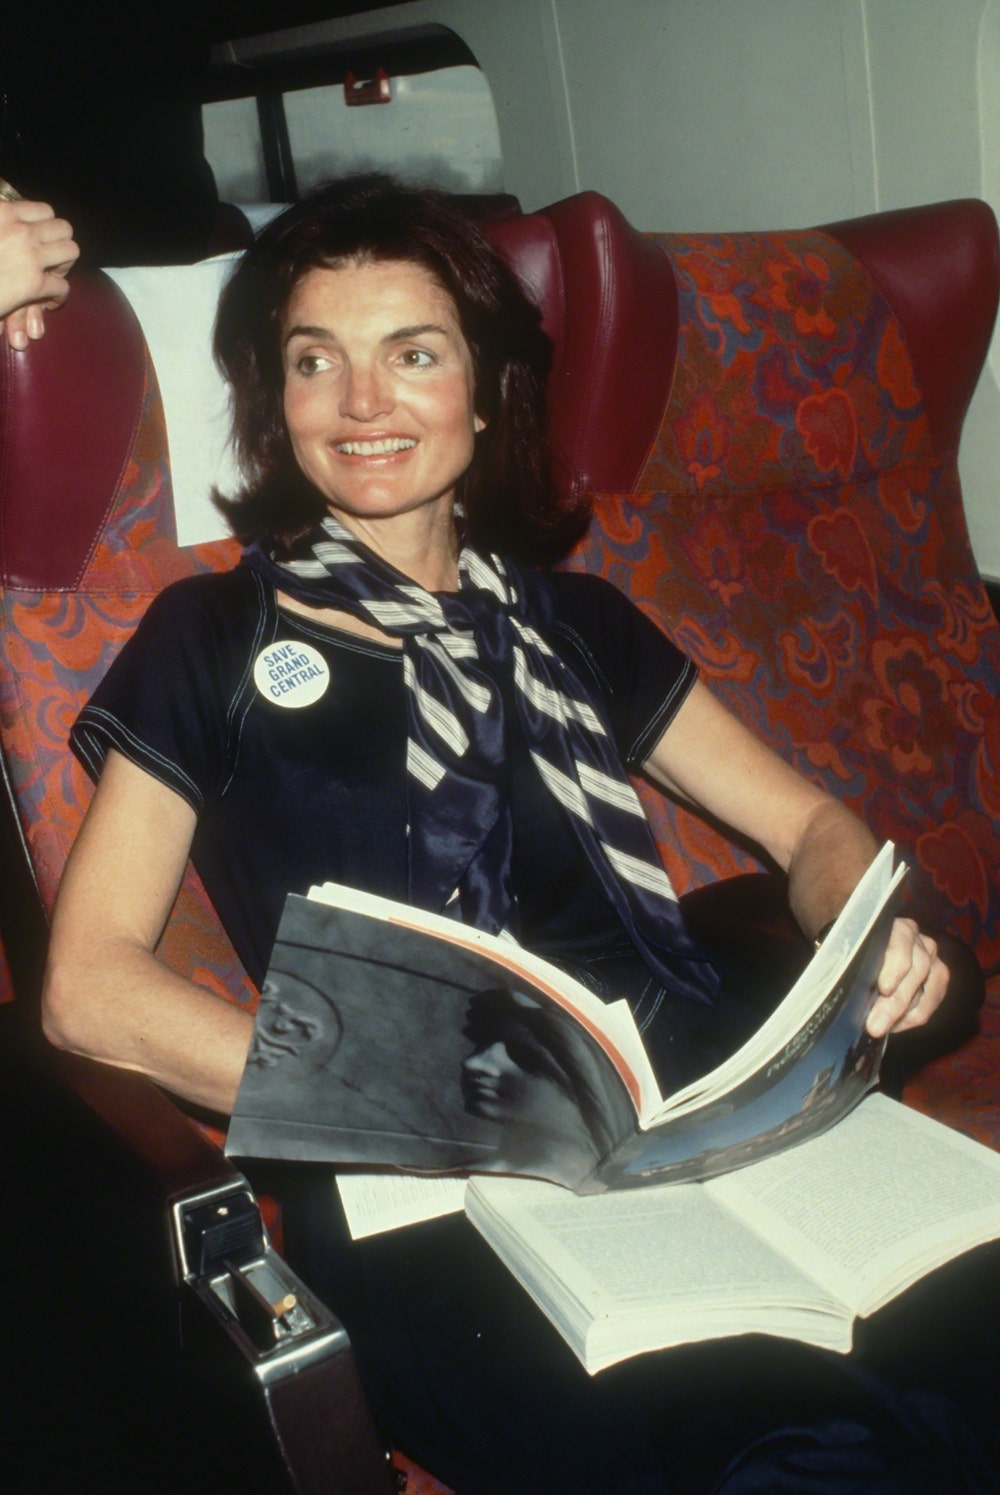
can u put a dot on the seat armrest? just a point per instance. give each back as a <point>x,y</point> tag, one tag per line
<point>244,1312</point>
<point>176,1155</point>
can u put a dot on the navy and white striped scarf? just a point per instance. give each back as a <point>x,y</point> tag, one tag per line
<point>457,648</point>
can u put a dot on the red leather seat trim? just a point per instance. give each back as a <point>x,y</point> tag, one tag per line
<point>938,268</point>
<point>608,298</point>
<point>83,381</point>
<point>529,246</point>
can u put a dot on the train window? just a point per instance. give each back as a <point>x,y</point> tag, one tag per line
<point>234,151</point>
<point>438,127</point>
<point>422,110</point>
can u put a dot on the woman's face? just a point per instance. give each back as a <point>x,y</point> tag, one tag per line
<point>378,395</point>
<point>493,1082</point>
<point>501,1082</point>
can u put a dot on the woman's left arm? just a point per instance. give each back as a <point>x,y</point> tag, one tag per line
<point>710,760</point>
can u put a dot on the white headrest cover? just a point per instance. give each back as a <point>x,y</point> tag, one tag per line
<point>176,305</point>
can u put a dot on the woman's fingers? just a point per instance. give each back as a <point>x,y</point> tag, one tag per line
<point>37,251</point>
<point>911,984</point>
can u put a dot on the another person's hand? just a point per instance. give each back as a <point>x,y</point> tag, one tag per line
<point>912,982</point>
<point>37,252</point>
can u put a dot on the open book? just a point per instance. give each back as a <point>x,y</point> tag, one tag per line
<point>389,1037</point>
<point>797,1245</point>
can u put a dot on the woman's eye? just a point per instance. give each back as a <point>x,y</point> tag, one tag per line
<point>417,358</point>
<point>311,363</point>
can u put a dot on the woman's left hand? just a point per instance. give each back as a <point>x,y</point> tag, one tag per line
<point>37,252</point>
<point>911,984</point>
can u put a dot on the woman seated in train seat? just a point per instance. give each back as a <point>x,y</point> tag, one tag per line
<point>462,743</point>
<point>37,252</point>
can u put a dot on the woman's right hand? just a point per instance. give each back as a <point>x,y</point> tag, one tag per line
<point>37,252</point>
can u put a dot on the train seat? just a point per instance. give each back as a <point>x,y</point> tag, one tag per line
<point>89,536</point>
<point>798,527</point>
<point>766,426</point>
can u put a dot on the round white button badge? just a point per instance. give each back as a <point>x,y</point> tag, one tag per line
<point>291,674</point>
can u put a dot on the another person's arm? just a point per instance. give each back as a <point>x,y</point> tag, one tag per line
<point>106,993</point>
<point>711,760</point>
<point>37,252</point>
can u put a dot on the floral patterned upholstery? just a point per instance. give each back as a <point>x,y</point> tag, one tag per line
<point>59,643</point>
<point>797,527</point>
<point>796,531</point>
<point>799,533</point>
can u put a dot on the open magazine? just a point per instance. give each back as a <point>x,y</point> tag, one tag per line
<point>391,1038</point>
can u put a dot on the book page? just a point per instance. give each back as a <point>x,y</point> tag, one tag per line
<point>790,1018</point>
<point>874,1203</point>
<point>641,1269</point>
<point>376,1202</point>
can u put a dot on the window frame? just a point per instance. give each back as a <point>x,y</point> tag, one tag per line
<point>268,78</point>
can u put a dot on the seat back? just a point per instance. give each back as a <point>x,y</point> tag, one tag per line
<point>798,528</point>
<point>609,304</point>
<point>86,539</point>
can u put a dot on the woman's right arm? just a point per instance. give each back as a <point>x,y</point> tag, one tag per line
<point>106,995</point>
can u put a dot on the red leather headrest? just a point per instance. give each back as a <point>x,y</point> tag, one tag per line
<point>938,266</point>
<point>69,405</point>
<point>609,302</point>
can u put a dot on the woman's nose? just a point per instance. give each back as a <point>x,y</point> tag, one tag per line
<point>488,1060</point>
<point>365,393</point>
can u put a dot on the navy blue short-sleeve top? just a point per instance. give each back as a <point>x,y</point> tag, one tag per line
<point>205,697</point>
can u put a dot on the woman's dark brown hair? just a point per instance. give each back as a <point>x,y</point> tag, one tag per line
<point>507,494</point>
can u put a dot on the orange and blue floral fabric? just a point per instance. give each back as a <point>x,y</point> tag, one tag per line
<point>799,535</point>
<point>58,644</point>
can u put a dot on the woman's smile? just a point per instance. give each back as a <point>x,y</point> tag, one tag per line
<point>382,446</point>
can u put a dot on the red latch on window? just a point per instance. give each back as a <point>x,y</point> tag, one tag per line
<point>378,91</point>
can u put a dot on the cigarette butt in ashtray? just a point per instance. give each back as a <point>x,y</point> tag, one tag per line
<point>8,193</point>
<point>285,1305</point>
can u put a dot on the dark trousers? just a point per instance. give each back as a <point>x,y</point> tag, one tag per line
<point>466,1376</point>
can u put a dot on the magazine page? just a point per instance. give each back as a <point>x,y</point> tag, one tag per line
<point>875,1203</point>
<point>786,1024</point>
<point>610,1023</point>
<point>375,1044</point>
<point>806,1087</point>
<point>622,1274</point>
